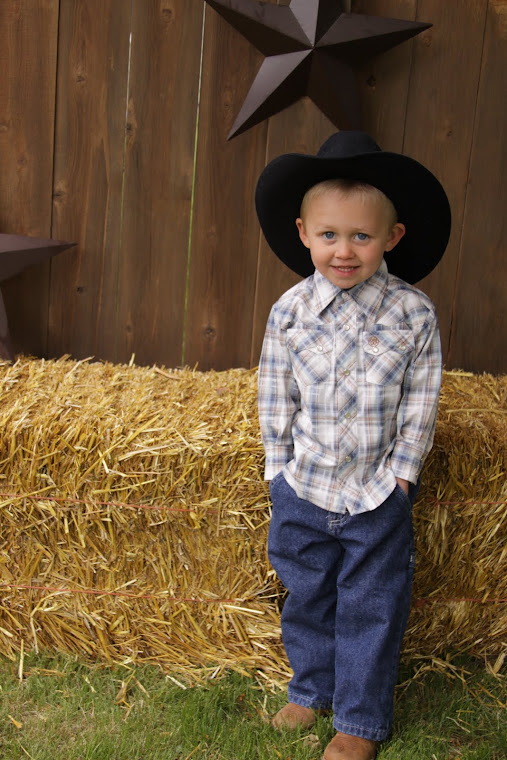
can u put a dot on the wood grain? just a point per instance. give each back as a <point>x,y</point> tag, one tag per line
<point>439,125</point>
<point>384,80</point>
<point>174,272</point>
<point>223,261</point>
<point>159,166</point>
<point>478,340</point>
<point>28,56</point>
<point>90,129</point>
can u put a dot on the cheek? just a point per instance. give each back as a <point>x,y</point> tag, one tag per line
<point>320,252</point>
<point>374,257</point>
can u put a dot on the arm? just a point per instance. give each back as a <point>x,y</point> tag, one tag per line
<point>418,408</point>
<point>278,398</point>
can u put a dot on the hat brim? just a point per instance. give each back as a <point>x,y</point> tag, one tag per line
<point>417,195</point>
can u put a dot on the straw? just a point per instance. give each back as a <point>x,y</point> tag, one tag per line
<point>134,519</point>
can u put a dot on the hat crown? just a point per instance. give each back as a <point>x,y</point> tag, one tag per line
<point>347,143</point>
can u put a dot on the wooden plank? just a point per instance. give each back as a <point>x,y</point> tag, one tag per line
<point>164,84</point>
<point>223,261</point>
<point>303,128</point>
<point>90,128</point>
<point>479,334</point>
<point>383,81</point>
<point>28,53</point>
<point>440,117</point>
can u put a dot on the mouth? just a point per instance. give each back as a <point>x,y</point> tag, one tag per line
<point>345,270</point>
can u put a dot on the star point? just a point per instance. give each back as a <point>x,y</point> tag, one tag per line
<point>17,253</point>
<point>310,48</point>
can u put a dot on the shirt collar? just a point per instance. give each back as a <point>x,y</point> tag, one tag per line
<point>368,294</point>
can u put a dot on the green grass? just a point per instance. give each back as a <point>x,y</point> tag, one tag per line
<point>63,708</point>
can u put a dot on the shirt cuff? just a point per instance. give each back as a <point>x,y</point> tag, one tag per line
<point>276,459</point>
<point>406,462</point>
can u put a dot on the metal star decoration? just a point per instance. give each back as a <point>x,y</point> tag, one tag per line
<point>17,253</point>
<point>311,47</point>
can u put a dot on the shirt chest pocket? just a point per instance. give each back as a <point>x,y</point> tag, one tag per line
<point>311,353</point>
<point>387,354</point>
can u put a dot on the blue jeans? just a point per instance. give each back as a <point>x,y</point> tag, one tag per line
<point>349,580</point>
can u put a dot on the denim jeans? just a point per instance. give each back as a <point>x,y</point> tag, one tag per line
<point>349,579</point>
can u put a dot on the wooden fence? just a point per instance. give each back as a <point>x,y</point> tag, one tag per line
<point>113,123</point>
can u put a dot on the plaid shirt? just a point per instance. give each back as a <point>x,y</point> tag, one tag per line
<point>348,389</point>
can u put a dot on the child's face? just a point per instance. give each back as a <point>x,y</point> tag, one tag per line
<point>347,234</point>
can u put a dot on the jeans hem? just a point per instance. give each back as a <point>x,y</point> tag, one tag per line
<point>304,701</point>
<point>373,734</point>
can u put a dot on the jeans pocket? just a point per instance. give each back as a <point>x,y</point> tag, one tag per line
<point>403,497</point>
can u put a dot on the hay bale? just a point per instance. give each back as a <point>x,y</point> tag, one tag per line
<point>460,586</point>
<point>134,519</point>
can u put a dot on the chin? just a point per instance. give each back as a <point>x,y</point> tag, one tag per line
<point>344,281</point>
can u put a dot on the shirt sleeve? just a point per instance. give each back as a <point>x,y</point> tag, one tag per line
<point>278,397</point>
<point>417,413</point>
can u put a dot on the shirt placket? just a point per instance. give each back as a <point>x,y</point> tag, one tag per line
<point>346,396</point>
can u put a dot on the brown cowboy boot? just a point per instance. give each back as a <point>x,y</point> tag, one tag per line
<point>293,716</point>
<point>347,747</point>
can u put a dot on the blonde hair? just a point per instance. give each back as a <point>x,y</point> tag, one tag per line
<point>349,187</point>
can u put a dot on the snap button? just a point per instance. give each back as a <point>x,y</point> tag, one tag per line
<point>348,459</point>
<point>346,372</point>
<point>320,349</point>
<point>373,340</point>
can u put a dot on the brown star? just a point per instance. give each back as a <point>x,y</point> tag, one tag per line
<point>17,253</point>
<point>311,47</point>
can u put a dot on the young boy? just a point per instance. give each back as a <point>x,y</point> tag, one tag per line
<point>348,390</point>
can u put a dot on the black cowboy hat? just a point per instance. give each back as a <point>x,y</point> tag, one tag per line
<point>417,195</point>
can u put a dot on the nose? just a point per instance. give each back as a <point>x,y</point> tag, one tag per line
<point>343,250</point>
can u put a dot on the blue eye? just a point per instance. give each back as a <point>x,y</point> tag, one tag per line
<point>362,236</point>
<point>328,235</point>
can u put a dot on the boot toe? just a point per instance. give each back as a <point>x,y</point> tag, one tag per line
<point>293,716</point>
<point>348,747</point>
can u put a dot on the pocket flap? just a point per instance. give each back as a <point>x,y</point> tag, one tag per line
<point>315,341</point>
<point>377,342</point>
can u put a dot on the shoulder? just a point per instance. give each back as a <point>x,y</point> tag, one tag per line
<point>293,302</point>
<point>409,299</point>
<point>302,291</point>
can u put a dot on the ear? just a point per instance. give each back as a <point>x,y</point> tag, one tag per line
<point>302,233</point>
<point>395,236</point>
